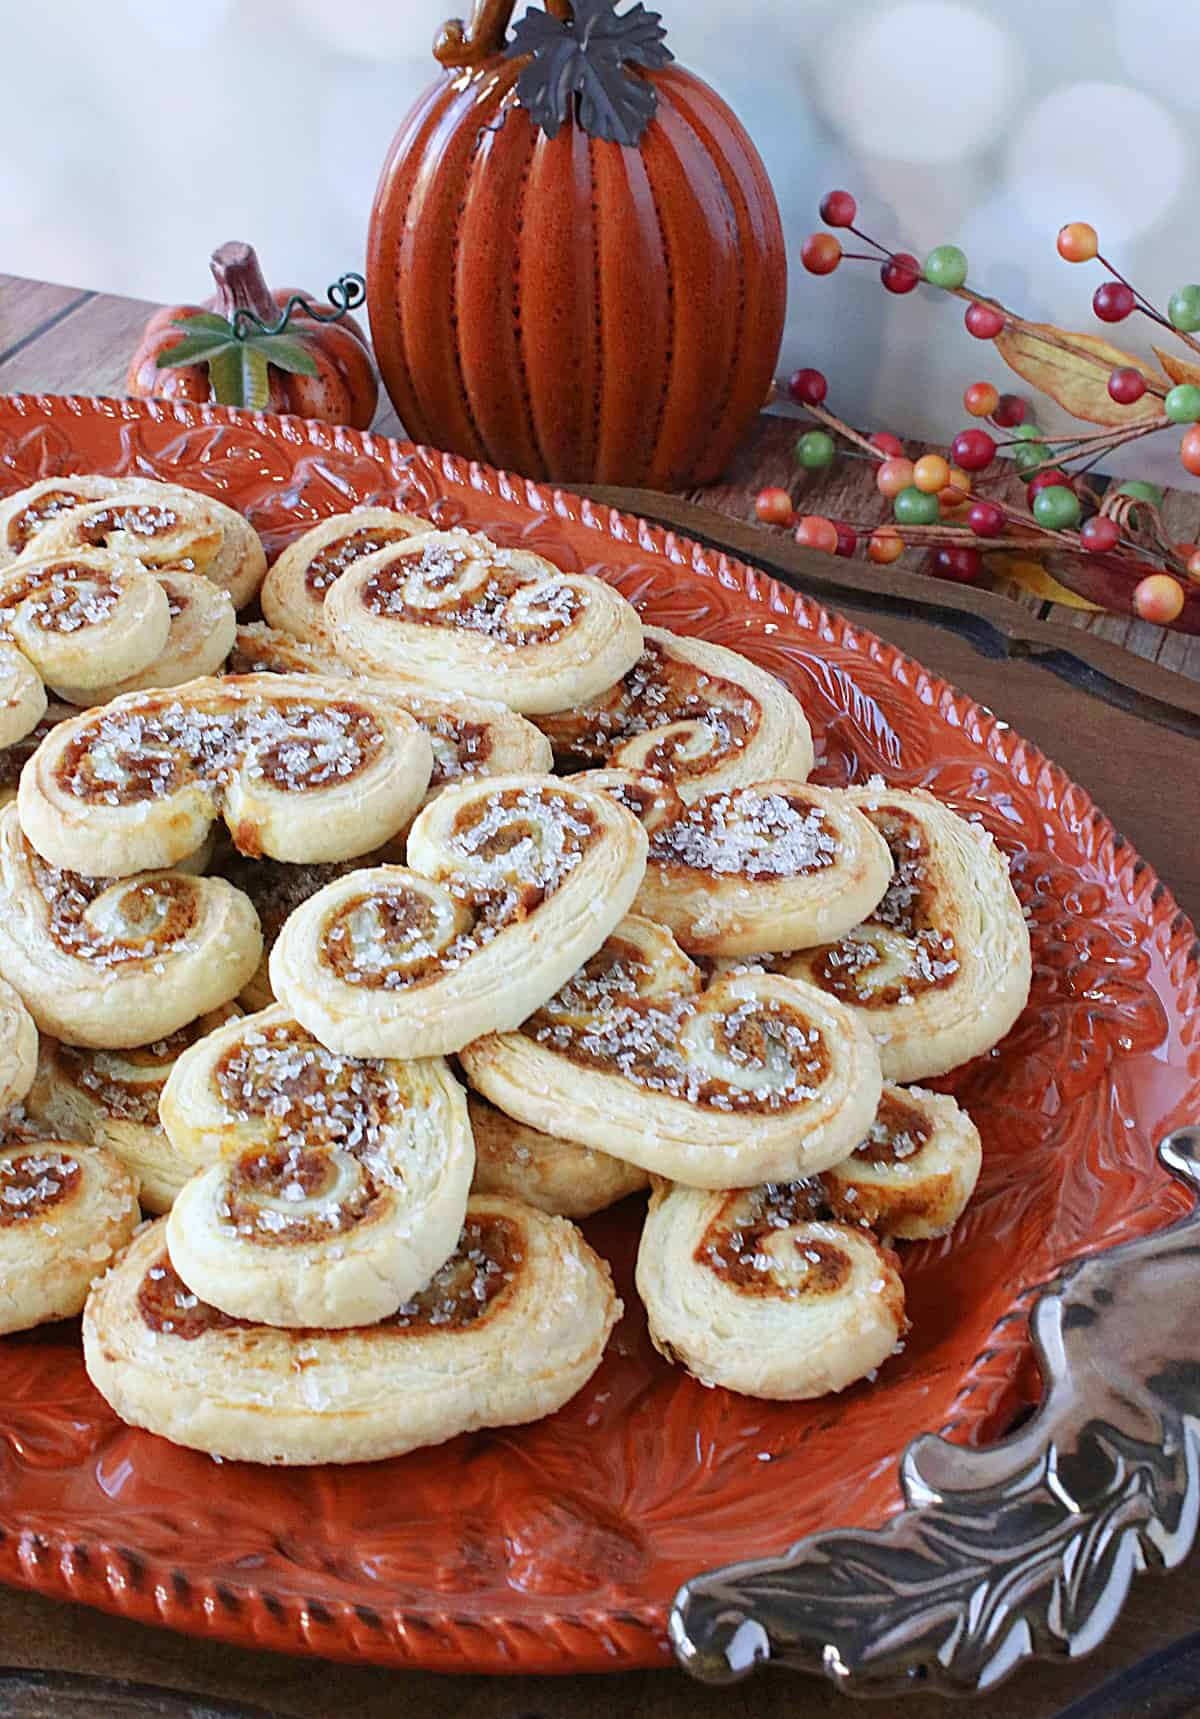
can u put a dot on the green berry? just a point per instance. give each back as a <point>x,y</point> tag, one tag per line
<point>1140,490</point>
<point>1183,309</point>
<point>914,507</point>
<point>1182,404</point>
<point>946,266</point>
<point>1029,456</point>
<point>815,450</point>
<point>1027,433</point>
<point>1056,507</point>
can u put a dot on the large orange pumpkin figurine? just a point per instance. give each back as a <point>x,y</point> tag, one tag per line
<point>576,266</point>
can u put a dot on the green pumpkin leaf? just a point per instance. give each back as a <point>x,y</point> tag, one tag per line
<point>239,377</point>
<point>195,348</point>
<point>284,352</point>
<point>199,319</point>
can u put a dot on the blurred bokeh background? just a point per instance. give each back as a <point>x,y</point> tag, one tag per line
<point>140,133</point>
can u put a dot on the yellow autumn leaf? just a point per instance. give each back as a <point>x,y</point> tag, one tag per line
<point>1032,577</point>
<point>1178,369</point>
<point>1078,379</point>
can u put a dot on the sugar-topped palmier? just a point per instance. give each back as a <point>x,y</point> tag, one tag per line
<point>544,1170</point>
<point>460,612</point>
<point>334,1187</point>
<point>940,969</point>
<point>66,1210</point>
<point>746,1078</point>
<point>913,1174</point>
<point>22,696</point>
<point>201,634</point>
<point>756,1290</point>
<point>776,865</point>
<point>506,1331</point>
<point>699,715</point>
<point>118,962</point>
<point>295,588</point>
<point>469,736</point>
<point>300,767</point>
<point>18,1047</point>
<point>110,1098</point>
<point>512,882</point>
<point>166,527</point>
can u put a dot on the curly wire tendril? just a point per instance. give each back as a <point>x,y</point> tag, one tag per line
<point>345,294</point>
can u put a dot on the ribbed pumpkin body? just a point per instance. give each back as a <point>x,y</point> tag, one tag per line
<point>569,308</point>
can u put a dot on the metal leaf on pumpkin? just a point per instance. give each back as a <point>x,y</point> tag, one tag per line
<point>1178,369</point>
<point>587,57</point>
<point>1077,380</point>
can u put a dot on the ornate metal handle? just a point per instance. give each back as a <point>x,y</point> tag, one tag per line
<point>1025,1548</point>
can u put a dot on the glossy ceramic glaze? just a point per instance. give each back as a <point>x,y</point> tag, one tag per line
<point>559,1546</point>
<point>568,307</point>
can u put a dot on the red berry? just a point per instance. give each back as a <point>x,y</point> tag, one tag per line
<point>973,450</point>
<point>817,532</point>
<point>808,387</point>
<point>888,444</point>
<point>984,321</point>
<point>986,519</point>
<point>838,209</point>
<point>821,253</point>
<point>1126,385</point>
<point>964,565</point>
<point>1099,534</point>
<point>1112,301</point>
<point>774,507</point>
<point>901,273</point>
<point>847,541</point>
<point>1189,450</point>
<point>1050,478</point>
<point>981,399</point>
<point>1010,411</point>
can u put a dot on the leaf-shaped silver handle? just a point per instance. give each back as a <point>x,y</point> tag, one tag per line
<point>1025,1548</point>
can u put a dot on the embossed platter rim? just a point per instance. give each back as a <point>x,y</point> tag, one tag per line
<point>510,1558</point>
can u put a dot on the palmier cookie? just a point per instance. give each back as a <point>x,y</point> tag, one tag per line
<point>22,696</point>
<point>300,767</point>
<point>469,736</point>
<point>114,963</point>
<point>166,527</point>
<point>295,588</point>
<point>202,630</point>
<point>694,713</point>
<point>110,1098</point>
<point>65,1211</point>
<point>334,1188</point>
<point>512,882</point>
<point>552,1174</point>
<point>941,969</point>
<point>913,1174</point>
<point>754,1290</point>
<point>746,870</point>
<point>18,1048</point>
<point>454,609</point>
<point>752,1078</point>
<point>507,1331</point>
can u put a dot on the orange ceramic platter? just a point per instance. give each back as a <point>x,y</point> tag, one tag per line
<point>559,1546</point>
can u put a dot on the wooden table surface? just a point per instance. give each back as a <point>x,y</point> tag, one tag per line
<point>58,1660</point>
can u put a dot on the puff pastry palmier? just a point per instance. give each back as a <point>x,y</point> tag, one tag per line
<point>163,525</point>
<point>300,767</point>
<point>755,1291</point>
<point>339,1187</point>
<point>114,963</point>
<point>295,588</point>
<point>110,1098</point>
<point>65,1211</point>
<point>22,696</point>
<point>18,1047</point>
<point>912,1176</point>
<point>749,1078</point>
<point>694,713</point>
<point>941,968</point>
<point>84,619</point>
<point>512,881</point>
<point>469,736</point>
<point>202,629</point>
<point>507,1331</point>
<point>552,1174</point>
<point>460,612</point>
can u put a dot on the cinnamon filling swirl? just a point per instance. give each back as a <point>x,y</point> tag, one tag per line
<point>898,1132</point>
<point>328,564</point>
<point>62,598</point>
<point>749,1245</point>
<point>111,923</point>
<point>748,834</point>
<point>481,606</point>
<point>23,527</point>
<point>33,1182</point>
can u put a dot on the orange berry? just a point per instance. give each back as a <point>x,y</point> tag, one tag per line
<point>1189,450</point>
<point>816,532</point>
<point>885,545</point>
<point>1184,550</point>
<point>821,253</point>
<point>957,491</point>
<point>891,476</point>
<point>931,473</point>
<point>1158,598</point>
<point>774,507</point>
<point>981,399</point>
<point>1077,242</point>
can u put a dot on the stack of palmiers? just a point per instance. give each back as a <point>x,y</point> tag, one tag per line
<point>369,1003</point>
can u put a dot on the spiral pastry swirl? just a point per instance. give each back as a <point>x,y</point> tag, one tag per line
<point>334,1188</point>
<point>295,588</point>
<point>912,1176</point>
<point>743,1080</point>
<point>455,609</point>
<point>301,768</point>
<point>512,881</point>
<point>692,713</point>
<point>114,963</point>
<point>84,619</point>
<point>506,1331</point>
